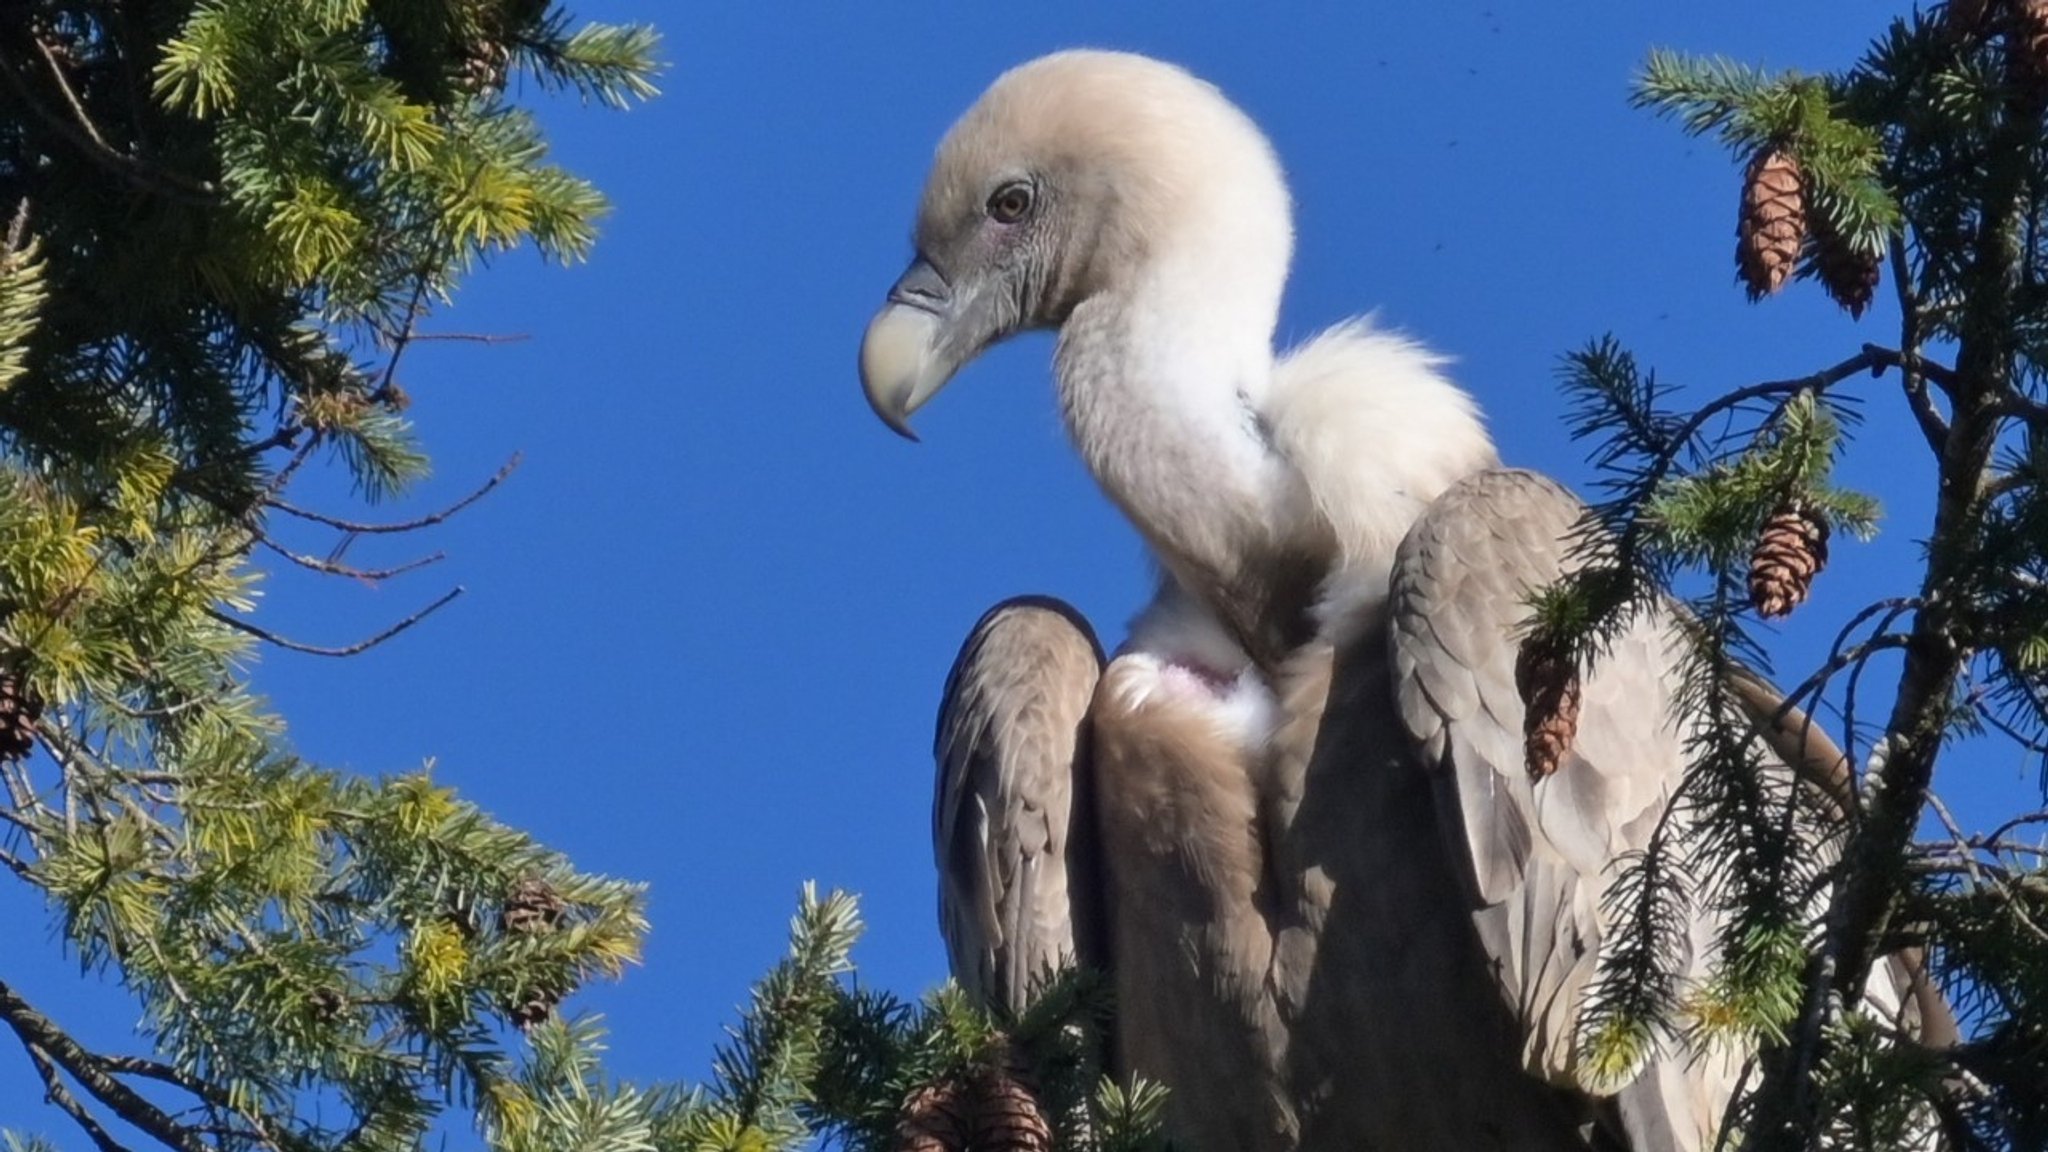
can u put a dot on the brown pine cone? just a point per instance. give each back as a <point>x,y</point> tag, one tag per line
<point>1849,274</point>
<point>1790,551</point>
<point>987,1110</point>
<point>1550,690</point>
<point>1773,221</point>
<point>531,908</point>
<point>484,66</point>
<point>326,1002</point>
<point>533,1007</point>
<point>1008,1116</point>
<point>19,711</point>
<point>936,1118</point>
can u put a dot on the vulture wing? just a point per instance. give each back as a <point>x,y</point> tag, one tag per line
<point>1538,855</point>
<point>1009,826</point>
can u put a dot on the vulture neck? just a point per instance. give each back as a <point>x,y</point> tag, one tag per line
<point>1161,384</point>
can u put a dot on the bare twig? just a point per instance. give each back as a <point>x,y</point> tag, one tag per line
<point>1974,868</point>
<point>360,646</point>
<point>470,337</point>
<point>403,526</point>
<point>331,568</point>
<point>56,67</point>
<point>1933,428</point>
<point>56,1093</point>
<point>2006,829</point>
<point>15,864</point>
<point>2013,406</point>
<point>39,1034</point>
<point>88,141</point>
<point>1914,369</point>
<point>18,821</point>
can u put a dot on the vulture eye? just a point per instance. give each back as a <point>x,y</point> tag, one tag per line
<point>1008,204</point>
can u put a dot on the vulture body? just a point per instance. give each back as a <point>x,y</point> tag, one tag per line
<point>1290,817</point>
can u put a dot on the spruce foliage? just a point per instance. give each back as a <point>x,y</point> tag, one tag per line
<point>224,221</point>
<point>1925,162</point>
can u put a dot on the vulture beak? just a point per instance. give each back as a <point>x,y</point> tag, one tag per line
<point>909,352</point>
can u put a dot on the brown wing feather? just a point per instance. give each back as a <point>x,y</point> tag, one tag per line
<point>1017,895</point>
<point>1537,856</point>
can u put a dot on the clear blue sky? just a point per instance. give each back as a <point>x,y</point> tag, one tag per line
<point>707,622</point>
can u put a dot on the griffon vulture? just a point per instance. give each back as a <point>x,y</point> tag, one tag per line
<point>1290,817</point>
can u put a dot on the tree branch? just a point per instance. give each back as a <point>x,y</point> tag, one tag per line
<point>2013,406</point>
<point>360,646</point>
<point>331,568</point>
<point>49,1044</point>
<point>428,520</point>
<point>1934,655</point>
<point>56,1093</point>
<point>88,141</point>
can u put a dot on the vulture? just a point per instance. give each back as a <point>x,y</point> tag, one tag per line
<point>1290,817</point>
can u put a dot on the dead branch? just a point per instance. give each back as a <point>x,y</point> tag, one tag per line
<point>415,525</point>
<point>332,568</point>
<point>357,648</point>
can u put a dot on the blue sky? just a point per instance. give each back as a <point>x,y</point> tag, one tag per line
<point>708,619</point>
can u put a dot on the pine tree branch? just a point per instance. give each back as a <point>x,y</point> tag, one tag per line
<point>56,1093</point>
<point>332,568</point>
<point>2013,406</point>
<point>358,647</point>
<point>49,1044</point>
<point>1916,371</point>
<point>1873,872</point>
<point>1934,655</point>
<point>368,529</point>
<point>86,138</point>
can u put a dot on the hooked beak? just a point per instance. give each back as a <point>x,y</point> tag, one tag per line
<point>906,356</point>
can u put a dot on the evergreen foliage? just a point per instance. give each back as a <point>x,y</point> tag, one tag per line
<point>224,221</point>
<point>1931,153</point>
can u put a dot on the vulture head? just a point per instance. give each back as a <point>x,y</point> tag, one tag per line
<point>1134,208</point>
<point>1080,177</point>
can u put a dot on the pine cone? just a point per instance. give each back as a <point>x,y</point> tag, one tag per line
<point>531,908</point>
<point>936,1118</point>
<point>326,1002</point>
<point>1773,221</point>
<point>988,1110</point>
<point>19,711</point>
<point>484,66</point>
<point>533,1007</point>
<point>1009,1118</point>
<point>1790,551</point>
<point>1550,690</point>
<point>1848,273</point>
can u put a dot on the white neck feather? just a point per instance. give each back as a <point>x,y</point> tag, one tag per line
<point>1161,387</point>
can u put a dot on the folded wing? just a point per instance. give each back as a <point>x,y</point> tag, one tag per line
<point>1009,820</point>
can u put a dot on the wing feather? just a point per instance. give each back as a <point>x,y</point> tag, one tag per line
<point>1536,855</point>
<point>1017,894</point>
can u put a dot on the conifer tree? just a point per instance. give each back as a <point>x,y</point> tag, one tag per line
<point>221,223</point>
<point>1922,167</point>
